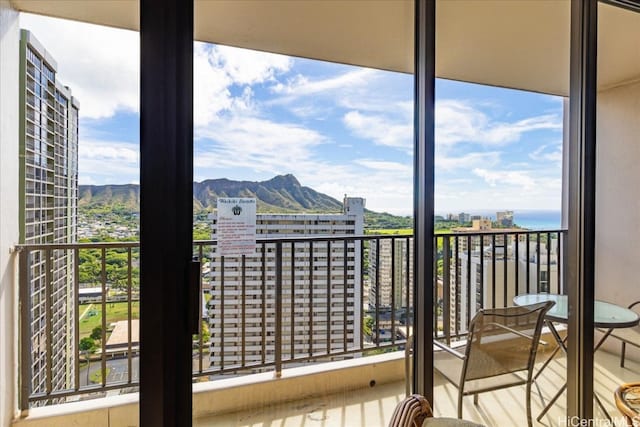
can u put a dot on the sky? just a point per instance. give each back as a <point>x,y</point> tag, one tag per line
<point>339,129</point>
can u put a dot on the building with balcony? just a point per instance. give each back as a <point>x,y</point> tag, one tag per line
<point>48,182</point>
<point>320,289</point>
<point>391,281</point>
<point>492,273</point>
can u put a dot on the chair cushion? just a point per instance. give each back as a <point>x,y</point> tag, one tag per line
<point>448,422</point>
<point>411,412</point>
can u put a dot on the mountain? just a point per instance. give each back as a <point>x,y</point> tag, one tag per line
<point>125,197</point>
<point>283,193</point>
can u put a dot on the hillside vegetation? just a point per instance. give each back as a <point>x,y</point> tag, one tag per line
<point>281,194</point>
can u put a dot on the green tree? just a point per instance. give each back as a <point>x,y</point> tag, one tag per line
<point>206,335</point>
<point>202,232</point>
<point>116,266</point>
<point>367,327</point>
<point>96,333</point>
<point>87,344</point>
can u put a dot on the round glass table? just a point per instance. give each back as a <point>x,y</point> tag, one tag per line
<point>606,315</point>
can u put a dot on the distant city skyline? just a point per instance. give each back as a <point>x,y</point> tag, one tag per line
<point>339,129</point>
<point>534,219</point>
<point>492,212</point>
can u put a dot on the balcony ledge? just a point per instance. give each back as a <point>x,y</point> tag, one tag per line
<point>227,395</point>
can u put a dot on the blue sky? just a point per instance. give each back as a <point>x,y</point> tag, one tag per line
<point>339,129</point>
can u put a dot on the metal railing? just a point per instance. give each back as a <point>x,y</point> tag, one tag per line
<point>488,269</point>
<point>297,301</point>
<point>50,343</point>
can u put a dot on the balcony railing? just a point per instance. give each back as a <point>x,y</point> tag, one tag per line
<point>488,269</point>
<point>297,301</point>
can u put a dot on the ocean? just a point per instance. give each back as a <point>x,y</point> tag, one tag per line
<point>537,220</point>
<point>531,219</point>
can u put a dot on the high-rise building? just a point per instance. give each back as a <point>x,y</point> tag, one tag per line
<point>464,218</point>
<point>486,273</point>
<point>321,297</point>
<point>390,272</point>
<point>505,218</point>
<point>48,210</point>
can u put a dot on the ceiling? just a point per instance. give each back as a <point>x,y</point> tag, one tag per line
<point>520,44</point>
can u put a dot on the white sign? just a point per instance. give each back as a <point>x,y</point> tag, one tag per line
<point>236,226</point>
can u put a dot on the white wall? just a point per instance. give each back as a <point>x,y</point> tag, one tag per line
<point>618,195</point>
<point>9,41</point>
<point>565,163</point>
<point>617,269</point>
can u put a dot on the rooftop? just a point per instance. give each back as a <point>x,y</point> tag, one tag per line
<point>120,335</point>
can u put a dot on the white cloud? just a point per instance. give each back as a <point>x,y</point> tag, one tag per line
<point>211,93</point>
<point>218,68</point>
<point>467,161</point>
<point>351,88</point>
<point>386,185</point>
<point>382,130</point>
<point>312,111</point>
<point>454,196</point>
<point>113,162</point>
<point>99,64</point>
<point>386,166</point>
<point>552,153</point>
<point>302,86</point>
<point>383,191</point>
<point>247,67</point>
<point>456,200</point>
<point>236,133</point>
<point>379,105</point>
<point>267,149</point>
<point>254,143</point>
<point>458,121</point>
<point>105,152</point>
<point>506,178</point>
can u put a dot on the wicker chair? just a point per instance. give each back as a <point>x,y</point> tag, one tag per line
<point>500,352</point>
<point>627,398</point>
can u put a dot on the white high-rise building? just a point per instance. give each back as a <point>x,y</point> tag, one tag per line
<point>48,149</point>
<point>479,275</point>
<point>321,297</point>
<point>390,272</point>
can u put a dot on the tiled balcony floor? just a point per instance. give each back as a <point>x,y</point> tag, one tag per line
<point>373,406</point>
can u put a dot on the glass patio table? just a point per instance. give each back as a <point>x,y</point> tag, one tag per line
<point>607,316</point>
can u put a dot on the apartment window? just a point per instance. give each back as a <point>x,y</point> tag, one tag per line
<point>544,281</point>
